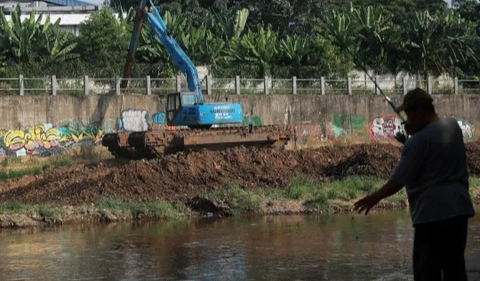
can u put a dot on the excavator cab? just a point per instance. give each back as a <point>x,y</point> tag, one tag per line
<point>176,102</point>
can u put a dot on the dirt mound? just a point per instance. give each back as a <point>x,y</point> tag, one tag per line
<point>183,176</point>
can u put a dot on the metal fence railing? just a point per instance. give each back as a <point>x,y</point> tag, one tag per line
<point>236,85</point>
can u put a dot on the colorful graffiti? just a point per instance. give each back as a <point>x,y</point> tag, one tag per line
<point>468,130</point>
<point>134,120</point>
<point>45,139</point>
<point>159,118</point>
<point>347,124</point>
<point>255,120</point>
<point>310,133</point>
<point>385,127</point>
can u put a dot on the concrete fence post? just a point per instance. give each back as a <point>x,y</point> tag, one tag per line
<point>455,86</point>
<point>404,85</point>
<point>85,85</point>
<point>178,83</point>
<point>265,85</point>
<point>429,85</point>
<point>377,89</point>
<point>237,84</point>
<point>349,85</point>
<point>20,84</point>
<point>117,84</point>
<point>209,84</point>
<point>149,86</point>
<point>53,85</point>
<point>294,85</point>
<point>322,85</point>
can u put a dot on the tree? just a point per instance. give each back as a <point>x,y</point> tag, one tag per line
<point>103,43</point>
<point>257,48</point>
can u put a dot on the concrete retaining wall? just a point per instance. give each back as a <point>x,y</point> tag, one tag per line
<point>46,125</point>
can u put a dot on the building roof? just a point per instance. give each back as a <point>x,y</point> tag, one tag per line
<point>71,3</point>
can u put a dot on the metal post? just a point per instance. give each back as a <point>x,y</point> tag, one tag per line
<point>149,84</point>
<point>117,84</point>
<point>237,85</point>
<point>322,85</point>
<point>265,85</point>
<point>377,90</point>
<point>179,83</point>
<point>294,85</point>
<point>85,85</point>
<point>53,86</point>
<point>20,84</point>
<point>455,86</point>
<point>349,86</point>
<point>209,84</point>
<point>404,85</point>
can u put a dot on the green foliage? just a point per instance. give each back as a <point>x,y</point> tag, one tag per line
<point>103,43</point>
<point>281,38</point>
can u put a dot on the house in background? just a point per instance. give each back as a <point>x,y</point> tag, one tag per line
<point>70,12</point>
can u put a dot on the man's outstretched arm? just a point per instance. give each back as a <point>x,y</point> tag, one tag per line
<point>388,189</point>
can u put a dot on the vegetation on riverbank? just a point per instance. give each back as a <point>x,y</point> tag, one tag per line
<point>303,195</point>
<point>17,167</point>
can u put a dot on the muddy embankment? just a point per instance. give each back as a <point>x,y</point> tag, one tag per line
<point>181,177</point>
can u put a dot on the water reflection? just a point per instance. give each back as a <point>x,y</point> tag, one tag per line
<point>342,247</point>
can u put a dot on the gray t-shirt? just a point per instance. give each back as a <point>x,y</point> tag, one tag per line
<point>433,167</point>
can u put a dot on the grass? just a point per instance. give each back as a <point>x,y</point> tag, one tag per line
<point>159,209</point>
<point>312,196</point>
<point>13,167</point>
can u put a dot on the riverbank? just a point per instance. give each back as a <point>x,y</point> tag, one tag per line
<point>302,196</point>
<point>224,183</point>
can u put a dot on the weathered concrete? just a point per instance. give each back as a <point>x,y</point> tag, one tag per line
<point>272,109</point>
<point>317,118</point>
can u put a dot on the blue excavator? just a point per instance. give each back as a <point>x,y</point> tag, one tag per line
<point>187,109</point>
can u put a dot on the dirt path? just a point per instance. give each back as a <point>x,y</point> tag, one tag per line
<point>183,176</point>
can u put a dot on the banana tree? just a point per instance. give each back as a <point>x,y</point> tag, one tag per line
<point>294,50</point>
<point>363,33</point>
<point>202,46</point>
<point>375,29</point>
<point>224,27</point>
<point>257,48</point>
<point>58,46</point>
<point>432,45</point>
<point>23,37</point>
<point>151,49</point>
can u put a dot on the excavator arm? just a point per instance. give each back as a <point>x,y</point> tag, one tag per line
<point>180,58</point>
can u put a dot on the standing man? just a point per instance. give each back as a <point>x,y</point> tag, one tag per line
<point>433,167</point>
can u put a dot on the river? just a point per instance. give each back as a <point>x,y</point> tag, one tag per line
<point>309,247</point>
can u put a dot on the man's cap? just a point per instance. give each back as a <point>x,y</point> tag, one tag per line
<point>415,98</point>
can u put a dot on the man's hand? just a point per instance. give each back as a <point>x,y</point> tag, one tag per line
<point>388,189</point>
<point>367,203</point>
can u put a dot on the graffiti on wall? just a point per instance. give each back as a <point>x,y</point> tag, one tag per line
<point>45,139</point>
<point>134,120</point>
<point>310,133</point>
<point>467,129</point>
<point>347,124</point>
<point>254,120</point>
<point>385,127</point>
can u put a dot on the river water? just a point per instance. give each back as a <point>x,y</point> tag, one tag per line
<point>338,247</point>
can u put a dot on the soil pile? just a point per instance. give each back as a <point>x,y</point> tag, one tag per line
<point>184,175</point>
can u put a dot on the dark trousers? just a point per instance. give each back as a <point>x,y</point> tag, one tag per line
<point>438,249</point>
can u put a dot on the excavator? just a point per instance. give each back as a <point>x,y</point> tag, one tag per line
<point>192,124</point>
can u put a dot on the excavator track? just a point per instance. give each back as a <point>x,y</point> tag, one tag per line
<point>156,143</point>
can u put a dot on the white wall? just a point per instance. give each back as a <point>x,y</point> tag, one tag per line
<point>68,22</point>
